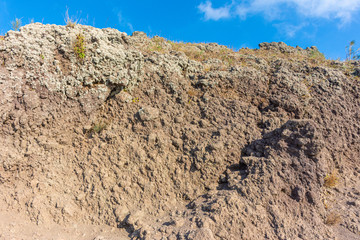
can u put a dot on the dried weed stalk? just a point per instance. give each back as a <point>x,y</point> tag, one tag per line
<point>333,219</point>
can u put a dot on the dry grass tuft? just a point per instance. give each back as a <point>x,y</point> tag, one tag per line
<point>193,93</point>
<point>70,21</point>
<point>16,24</point>
<point>333,219</point>
<point>207,68</point>
<point>198,53</point>
<point>317,55</point>
<point>331,180</point>
<point>157,45</point>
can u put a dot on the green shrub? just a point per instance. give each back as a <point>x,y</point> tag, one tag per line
<point>99,126</point>
<point>79,46</point>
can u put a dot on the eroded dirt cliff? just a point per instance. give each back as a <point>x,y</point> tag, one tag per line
<point>164,140</point>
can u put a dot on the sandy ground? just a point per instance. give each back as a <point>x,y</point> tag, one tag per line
<point>15,226</point>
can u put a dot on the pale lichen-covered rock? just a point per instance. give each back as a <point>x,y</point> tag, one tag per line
<point>148,113</point>
<point>52,63</point>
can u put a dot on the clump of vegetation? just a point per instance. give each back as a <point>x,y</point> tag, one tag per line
<point>194,51</point>
<point>193,93</point>
<point>79,46</point>
<point>135,100</point>
<point>197,54</point>
<point>157,45</point>
<point>331,180</point>
<point>16,24</point>
<point>2,38</point>
<point>228,60</point>
<point>99,126</point>
<point>333,218</point>
<point>176,46</point>
<point>317,55</point>
<point>70,21</point>
<point>351,53</point>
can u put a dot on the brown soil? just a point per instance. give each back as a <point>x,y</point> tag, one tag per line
<point>149,139</point>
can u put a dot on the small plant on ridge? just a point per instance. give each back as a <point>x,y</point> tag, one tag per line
<point>70,21</point>
<point>351,53</point>
<point>16,24</point>
<point>316,54</point>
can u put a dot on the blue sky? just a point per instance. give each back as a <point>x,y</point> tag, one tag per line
<point>328,24</point>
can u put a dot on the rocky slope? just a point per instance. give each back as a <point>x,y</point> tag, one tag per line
<point>164,140</point>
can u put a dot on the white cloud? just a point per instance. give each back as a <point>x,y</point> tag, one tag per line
<point>342,10</point>
<point>289,30</point>
<point>131,27</point>
<point>214,13</point>
<point>124,22</point>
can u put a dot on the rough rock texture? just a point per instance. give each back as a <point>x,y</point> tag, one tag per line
<point>176,141</point>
